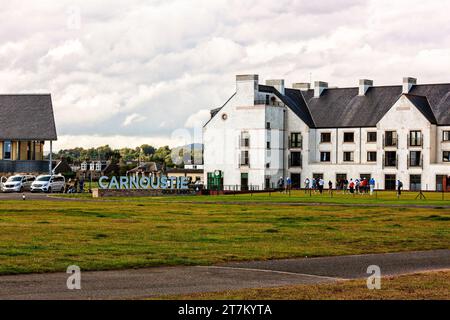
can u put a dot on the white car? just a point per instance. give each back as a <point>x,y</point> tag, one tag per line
<point>48,183</point>
<point>18,183</point>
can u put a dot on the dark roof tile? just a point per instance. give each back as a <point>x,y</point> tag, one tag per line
<point>27,117</point>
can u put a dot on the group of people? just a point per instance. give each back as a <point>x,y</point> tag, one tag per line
<point>75,185</point>
<point>284,184</point>
<point>317,184</point>
<point>358,186</point>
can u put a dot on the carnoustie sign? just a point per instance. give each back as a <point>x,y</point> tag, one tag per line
<point>155,183</point>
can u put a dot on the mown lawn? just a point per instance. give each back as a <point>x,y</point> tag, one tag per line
<point>337,197</point>
<point>431,286</point>
<point>45,236</point>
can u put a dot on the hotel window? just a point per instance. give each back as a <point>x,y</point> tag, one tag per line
<point>415,138</point>
<point>371,137</point>
<point>98,166</point>
<point>268,145</point>
<point>446,156</point>
<point>84,166</point>
<point>296,140</point>
<point>415,182</point>
<point>267,99</point>
<point>390,139</point>
<point>325,156</point>
<point>268,127</point>
<point>245,139</point>
<point>414,158</point>
<point>295,159</point>
<point>7,147</point>
<point>390,159</point>
<point>325,137</point>
<point>349,137</point>
<point>372,156</point>
<point>245,161</point>
<point>446,136</point>
<point>348,156</point>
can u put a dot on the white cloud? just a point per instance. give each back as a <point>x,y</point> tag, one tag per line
<point>140,68</point>
<point>133,118</point>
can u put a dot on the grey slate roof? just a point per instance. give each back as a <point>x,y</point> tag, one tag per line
<point>421,103</point>
<point>344,108</point>
<point>27,117</point>
<point>293,100</point>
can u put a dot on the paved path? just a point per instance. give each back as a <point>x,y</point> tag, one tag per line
<point>151,282</point>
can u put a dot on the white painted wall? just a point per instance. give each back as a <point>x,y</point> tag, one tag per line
<point>222,147</point>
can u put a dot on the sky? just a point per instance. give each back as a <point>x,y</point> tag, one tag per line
<point>125,73</point>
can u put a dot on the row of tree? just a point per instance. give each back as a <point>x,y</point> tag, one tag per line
<point>144,153</point>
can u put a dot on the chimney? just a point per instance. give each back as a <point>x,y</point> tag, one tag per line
<point>408,83</point>
<point>319,87</point>
<point>302,86</point>
<point>246,88</point>
<point>277,84</point>
<point>364,85</point>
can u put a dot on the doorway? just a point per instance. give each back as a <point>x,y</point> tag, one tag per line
<point>296,179</point>
<point>244,181</point>
<point>389,181</point>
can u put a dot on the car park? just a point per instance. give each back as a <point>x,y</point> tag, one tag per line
<point>49,183</point>
<point>18,183</point>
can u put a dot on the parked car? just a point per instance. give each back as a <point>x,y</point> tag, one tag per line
<point>48,183</point>
<point>18,183</point>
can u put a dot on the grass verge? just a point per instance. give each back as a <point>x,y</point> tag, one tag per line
<point>432,285</point>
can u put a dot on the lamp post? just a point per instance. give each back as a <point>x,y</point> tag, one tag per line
<point>50,161</point>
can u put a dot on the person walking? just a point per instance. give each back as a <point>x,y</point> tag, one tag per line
<point>363,186</point>
<point>357,185</point>
<point>306,184</point>
<point>330,187</point>
<point>82,184</point>
<point>399,188</point>
<point>314,184</point>
<point>345,187</point>
<point>351,186</point>
<point>321,184</point>
<point>280,184</point>
<point>288,185</point>
<point>372,185</point>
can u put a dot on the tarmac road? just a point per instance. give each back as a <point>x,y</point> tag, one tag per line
<point>153,282</point>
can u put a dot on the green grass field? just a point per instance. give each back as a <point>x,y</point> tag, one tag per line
<point>45,236</point>
<point>337,197</point>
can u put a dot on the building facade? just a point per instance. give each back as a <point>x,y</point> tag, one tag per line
<point>26,124</point>
<point>390,133</point>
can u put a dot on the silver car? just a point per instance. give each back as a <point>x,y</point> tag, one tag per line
<point>18,183</point>
<point>47,183</point>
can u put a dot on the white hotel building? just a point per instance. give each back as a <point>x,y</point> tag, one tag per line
<point>264,132</point>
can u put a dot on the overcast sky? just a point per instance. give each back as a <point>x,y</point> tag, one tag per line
<point>129,72</point>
